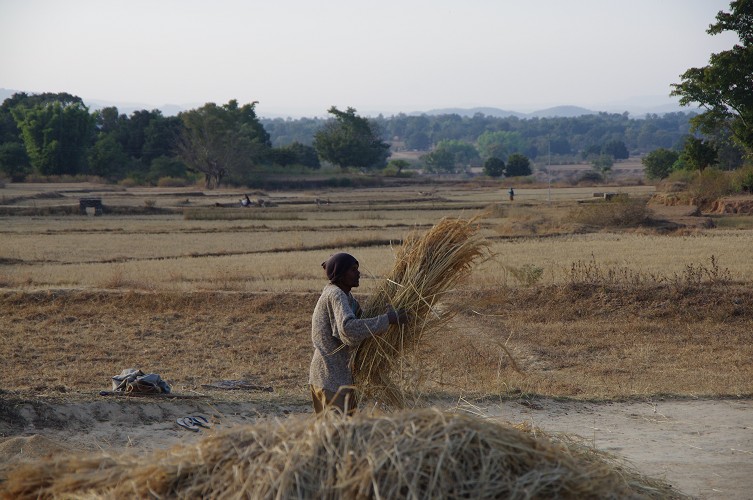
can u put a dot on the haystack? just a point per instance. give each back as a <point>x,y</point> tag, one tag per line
<point>412,454</point>
<point>427,266</point>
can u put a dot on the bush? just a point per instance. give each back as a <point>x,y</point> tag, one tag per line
<point>621,211</point>
<point>742,180</point>
<point>710,185</point>
<point>173,182</point>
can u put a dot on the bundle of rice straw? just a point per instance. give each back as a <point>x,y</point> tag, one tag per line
<point>414,454</point>
<point>426,267</point>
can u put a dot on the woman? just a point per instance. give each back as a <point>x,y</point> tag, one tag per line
<point>336,328</point>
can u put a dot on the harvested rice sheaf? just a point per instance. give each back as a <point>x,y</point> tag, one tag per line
<point>423,453</point>
<point>426,268</point>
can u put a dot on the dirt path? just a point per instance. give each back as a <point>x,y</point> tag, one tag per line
<point>704,448</point>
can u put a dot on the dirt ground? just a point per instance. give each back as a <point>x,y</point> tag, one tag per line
<point>704,448</point>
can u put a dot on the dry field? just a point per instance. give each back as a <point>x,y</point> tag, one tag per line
<point>558,310</point>
<point>200,293</point>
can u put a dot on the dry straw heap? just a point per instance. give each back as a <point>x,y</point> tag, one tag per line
<point>412,454</point>
<point>426,268</point>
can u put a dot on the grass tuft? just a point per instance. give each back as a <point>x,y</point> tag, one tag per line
<point>426,267</point>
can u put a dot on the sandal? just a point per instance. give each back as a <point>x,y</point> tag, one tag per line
<point>200,421</point>
<point>187,423</point>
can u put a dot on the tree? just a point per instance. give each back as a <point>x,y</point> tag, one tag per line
<point>449,154</point>
<point>107,158</point>
<point>494,167</point>
<point>398,164</point>
<point>440,160</point>
<point>56,135</point>
<point>350,140</point>
<point>724,88</point>
<point>616,149</point>
<point>603,164</point>
<point>221,140</point>
<point>698,154</point>
<point>658,163</point>
<point>499,143</point>
<point>14,162</point>
<point>517,165</point>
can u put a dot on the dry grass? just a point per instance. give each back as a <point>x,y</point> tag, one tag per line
<point>427,266</point>
<point>417,454</point>
<point>162,293</point>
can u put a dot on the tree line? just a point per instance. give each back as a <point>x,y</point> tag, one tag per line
<point>55,134</point>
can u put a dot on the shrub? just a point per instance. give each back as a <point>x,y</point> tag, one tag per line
<point>621,211</point>
<point>173,182</point>
<point>710,185</point>
<point>742,180</point>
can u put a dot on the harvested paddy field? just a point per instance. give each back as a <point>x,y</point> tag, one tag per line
<point>636,339</point>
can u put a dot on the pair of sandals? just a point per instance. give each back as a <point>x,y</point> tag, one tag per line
<point>193,423</point>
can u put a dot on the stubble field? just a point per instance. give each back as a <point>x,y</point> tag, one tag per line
<point>200,293</point>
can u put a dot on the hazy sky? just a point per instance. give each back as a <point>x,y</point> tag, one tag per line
<point>299,57</point>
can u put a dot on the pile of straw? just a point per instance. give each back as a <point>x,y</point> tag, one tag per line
<point>413,454</point>
<point>426,267</point>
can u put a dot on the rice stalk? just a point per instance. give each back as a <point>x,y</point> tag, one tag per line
<point>426,268</point>
<point>412,454</point>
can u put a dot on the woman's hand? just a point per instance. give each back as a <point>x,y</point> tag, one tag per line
<point>397,316</point>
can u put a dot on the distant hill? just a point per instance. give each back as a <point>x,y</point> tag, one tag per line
<point>495,112</point>
<point>562,111</point>
<point>638,107</point>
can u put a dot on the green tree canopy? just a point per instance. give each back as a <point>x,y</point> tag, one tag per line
<point>517,165</point>
<point>658,163</point>
<point>698,154</point>
<point>450,155</point>
<point>221,140</point>
<point>56,134</point>
<point>350,140</point>
<point>494,167</point>
<point>500,144</point>
<point>616,149</point>
<point>725,87</point>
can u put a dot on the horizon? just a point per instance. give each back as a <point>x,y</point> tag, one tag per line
<point>298,58</point>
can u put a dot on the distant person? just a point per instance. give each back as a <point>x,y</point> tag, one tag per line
<point>246,202</point>
<point>336,329</point>
<point>512,194</point>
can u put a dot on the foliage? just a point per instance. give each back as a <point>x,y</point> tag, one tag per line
<point>295,154</point>
<point>107,158</point>
<point>451,156</point>
<point>517,165</point>
<point>351,141</point>
<point>621,211</point>
<point>527,274</point>
<point>698,154</point>
<point>499,144</point>
<point>658,163</point>
<point>616,149</point>
<point>14,162</point>
<point>710,185</point>
<point>742,180</point>
<point>56,135</point>
<point>724,87</point>
<point>222,140</point>
<point>398,166</point>
<point>494,167</point>
<point>603,164</point>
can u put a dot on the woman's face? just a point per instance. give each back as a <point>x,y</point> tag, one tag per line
<point>351,278</point>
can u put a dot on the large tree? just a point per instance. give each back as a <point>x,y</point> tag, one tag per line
<point>222,140</point>
<point>725,87</point>
<point>517,165</point>
<point>350,140</point>
<point>658,163</point>
<point>57,135</point>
